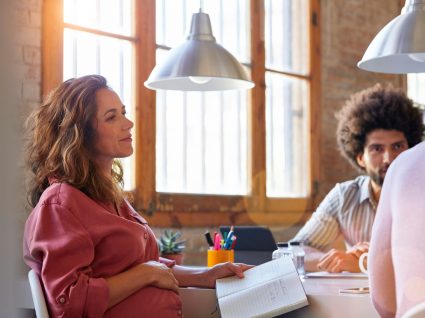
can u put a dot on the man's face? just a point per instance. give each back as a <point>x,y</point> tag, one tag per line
<point>381,148</point>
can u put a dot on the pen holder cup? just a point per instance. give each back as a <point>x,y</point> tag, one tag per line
<point>220,256</point>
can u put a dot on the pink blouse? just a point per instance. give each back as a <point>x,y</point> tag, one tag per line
<point>74,243</point>
<point>397,249</point>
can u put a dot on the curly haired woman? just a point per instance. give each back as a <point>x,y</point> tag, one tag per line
<point>95,255</point>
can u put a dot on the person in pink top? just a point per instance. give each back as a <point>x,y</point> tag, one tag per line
<point>397,249</point>
<point>96,256</point>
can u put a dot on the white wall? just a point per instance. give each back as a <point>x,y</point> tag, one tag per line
<point>11,182</point>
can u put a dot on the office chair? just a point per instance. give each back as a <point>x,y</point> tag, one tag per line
<point>37,295</point>
<point>417,311</point>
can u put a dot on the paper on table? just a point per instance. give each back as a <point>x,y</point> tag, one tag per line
<point>335,275</point>
<point>268,290</point>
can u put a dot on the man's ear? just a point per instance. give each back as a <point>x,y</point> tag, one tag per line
<point>360,160</point>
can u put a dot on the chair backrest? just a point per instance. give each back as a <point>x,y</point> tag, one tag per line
<point>254,244</point>
<point>417,311</point>
<point>37,295</point>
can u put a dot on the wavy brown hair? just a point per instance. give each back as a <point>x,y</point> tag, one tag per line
<point>60,136</point>
<point>377,107</point>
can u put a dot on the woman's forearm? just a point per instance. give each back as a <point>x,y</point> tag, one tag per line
<point>194,277</point>
<point>126,283</point>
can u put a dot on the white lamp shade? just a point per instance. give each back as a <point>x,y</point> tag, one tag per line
<point>399,47</point>
<point>199,64</point>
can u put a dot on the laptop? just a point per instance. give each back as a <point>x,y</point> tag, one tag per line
<point>254,244</point>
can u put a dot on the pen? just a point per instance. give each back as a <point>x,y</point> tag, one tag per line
<point>234,242</point>
<point>228,241</point>
<point>216,241</point>
<point>225,236</point>
<point>209,239</point>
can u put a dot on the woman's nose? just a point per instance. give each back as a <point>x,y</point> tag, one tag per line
<point>128,125</point>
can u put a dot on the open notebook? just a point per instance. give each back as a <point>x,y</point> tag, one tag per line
<point>268,290</point>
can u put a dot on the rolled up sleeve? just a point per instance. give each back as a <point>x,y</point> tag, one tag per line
<point>322,229</point>
<point>67,251</point>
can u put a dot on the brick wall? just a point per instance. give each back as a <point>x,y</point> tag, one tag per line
<point>28,50</point>
<point>347,27</point>
<point>27,69</point>
<point>20,43</point>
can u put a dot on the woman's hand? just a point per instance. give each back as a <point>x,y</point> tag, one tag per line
<point>151,273</point>
<point>162,276</point>
<point>224,270</point>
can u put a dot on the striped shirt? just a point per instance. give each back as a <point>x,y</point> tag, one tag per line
<point>348,209</point>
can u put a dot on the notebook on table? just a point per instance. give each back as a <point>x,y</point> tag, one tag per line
<point>267,290</point>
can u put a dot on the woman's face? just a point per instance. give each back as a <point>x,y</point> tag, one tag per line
<point>112,128</point>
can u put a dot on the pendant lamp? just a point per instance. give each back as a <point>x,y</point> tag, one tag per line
<point>199,64</point>
<point>400,46</point>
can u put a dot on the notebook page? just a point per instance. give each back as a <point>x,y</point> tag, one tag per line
<point>255,276</point>
<point>268,300</point>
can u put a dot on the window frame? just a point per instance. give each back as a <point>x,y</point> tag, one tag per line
<point>173,209</point>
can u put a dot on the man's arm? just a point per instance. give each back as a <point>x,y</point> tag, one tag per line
<point>320,231</point>
<point>336,261</point>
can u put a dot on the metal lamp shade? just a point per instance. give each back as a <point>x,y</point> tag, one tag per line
<point>199,64</point>
<point>400,46</point>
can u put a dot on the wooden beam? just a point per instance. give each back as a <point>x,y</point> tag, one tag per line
<point>52,45</point>
<point>145,120</point>
<point>314,102</point>
<point>258,109</point>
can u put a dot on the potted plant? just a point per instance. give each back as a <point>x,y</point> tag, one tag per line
<point>170,246</point>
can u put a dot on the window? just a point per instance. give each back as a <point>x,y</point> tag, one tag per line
<point>101,43</point>
<point>242,154</point>
<point>201,138</point>
<point>287,90</point>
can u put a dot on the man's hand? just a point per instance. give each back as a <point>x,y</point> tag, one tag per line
<point>336,261</point>
<point>359,249</point>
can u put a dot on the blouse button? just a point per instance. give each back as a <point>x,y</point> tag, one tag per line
<point>146,236</point>
<point>62,300</point>
<point>179,312</point>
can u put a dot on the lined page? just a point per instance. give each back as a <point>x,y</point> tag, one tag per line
<point>255,276</point>
<point>268,300</point>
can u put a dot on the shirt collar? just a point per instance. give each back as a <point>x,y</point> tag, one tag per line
<point>366,193</point>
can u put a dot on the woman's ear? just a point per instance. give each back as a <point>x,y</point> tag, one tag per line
<point>360,160</point>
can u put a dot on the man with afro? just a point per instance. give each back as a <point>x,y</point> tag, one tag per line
<point>374,126</point>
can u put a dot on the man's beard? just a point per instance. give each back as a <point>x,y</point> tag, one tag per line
<point>379,176</point>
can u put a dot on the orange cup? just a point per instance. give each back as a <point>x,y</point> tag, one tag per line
<point>220,256</point>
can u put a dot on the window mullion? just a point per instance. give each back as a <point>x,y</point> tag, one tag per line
<point>258,98</point>
<point>52,70</point>
<point>145,120</point>
<point>314,102</point>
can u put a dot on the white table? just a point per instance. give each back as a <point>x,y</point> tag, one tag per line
<point>327,302</point>
<point>323,295</point>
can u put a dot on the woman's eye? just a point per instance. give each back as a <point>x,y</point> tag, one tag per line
<point>110,118</point>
